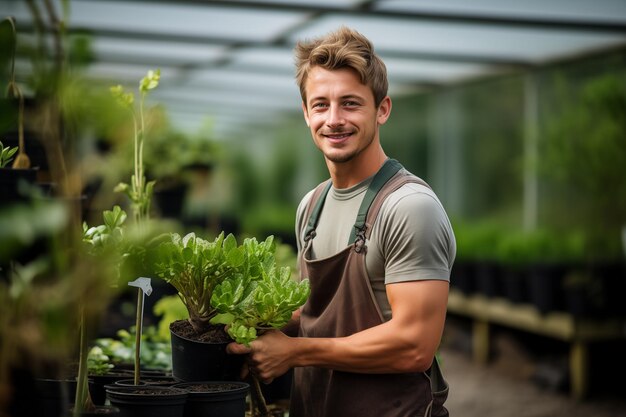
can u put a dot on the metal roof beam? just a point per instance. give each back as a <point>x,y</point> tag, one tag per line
<point>366,9</point>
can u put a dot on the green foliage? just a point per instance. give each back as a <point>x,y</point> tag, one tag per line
<point>6,155</point>
<point>170,308</point>
<point>109,233</point>
<point>155,351</point>
<point>97,362</point>
<point>265,303</point>
<point>477,241</point>
<point>194,267</point>
<point>241,283</point>
<point>585,151</point>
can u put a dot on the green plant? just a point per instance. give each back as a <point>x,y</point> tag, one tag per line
<point>248,306</point>
<point>155,349</point>
<point>97,362</point>
<point>6,155</point>
<point>195,267</point>
<point>584,151</point>
<point>139,191</point>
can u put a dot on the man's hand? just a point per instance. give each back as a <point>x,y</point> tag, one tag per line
<point>269,356</point>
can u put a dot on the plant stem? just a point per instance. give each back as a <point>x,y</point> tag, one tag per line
<point>138,335</point>
<point>258,397</point>
<point>81,387</point>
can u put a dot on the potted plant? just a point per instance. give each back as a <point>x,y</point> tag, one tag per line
<point>195,267</point>
<point>224,284</point>
<point>177,168</point>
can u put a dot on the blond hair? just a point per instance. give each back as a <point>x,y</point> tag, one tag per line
<point>343,48</point>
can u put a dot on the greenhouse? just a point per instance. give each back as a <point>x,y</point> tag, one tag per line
<point>155,171</point>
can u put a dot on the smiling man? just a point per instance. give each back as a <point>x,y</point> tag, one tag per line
<point>377,247</point>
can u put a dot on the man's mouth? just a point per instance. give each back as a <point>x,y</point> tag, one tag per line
<point>337,137</point>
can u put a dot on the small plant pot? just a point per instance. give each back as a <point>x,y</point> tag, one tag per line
<point>97,385</point>
<point>215,398</point>
<point>54,396</point>
<point>546,287</point>
<point>193,360</point>
<point>147,401</point>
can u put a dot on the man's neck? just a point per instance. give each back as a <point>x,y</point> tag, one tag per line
<point>347,174</point>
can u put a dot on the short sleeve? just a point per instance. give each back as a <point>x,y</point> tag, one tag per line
<point>412,238</point>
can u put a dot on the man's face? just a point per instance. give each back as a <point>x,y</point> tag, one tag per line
<point>341,114</point>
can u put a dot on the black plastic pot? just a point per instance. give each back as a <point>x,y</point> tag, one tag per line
<point>101,410</point>
<point>10,184</point>
<point>147,401</point>
<point>54,396</point>
<point>514,284</point>
<point>488,279</point>
<point>215,398</point>
<point>202,361</point>
<point>546,287</point>
<point>463,277</point>
<point>97,385</point>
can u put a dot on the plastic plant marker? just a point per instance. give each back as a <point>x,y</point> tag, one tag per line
<point>143,288</point>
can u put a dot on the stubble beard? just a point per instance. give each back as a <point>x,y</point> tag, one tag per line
<point>340,158</point>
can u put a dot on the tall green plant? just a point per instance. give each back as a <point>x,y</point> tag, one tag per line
<point>139,191</point>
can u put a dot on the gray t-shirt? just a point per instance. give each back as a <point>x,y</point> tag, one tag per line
<point>411,239</point>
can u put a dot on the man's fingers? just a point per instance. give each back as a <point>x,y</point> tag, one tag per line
<point>237,349</point>
<point>245,370</point>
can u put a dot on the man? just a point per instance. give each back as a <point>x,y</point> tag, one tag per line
<point>378,248</point>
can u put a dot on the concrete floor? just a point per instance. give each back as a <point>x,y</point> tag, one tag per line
<point>516,384</point>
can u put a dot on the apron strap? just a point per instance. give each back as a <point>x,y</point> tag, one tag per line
<point>313,211</point>
<point>386,172</point>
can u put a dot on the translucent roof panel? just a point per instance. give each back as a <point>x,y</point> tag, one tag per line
<point>465,40</point>
<point>570,10</point>
<point>229,58</point>
<point>415,70</point>
<point>237,24</point>
<point>155,52</point>
<point>271,58</point>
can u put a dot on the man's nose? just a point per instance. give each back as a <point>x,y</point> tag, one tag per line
<point>335,116</point>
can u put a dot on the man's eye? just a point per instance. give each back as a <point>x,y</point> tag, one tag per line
<point>350,103</point>
<point>319,105</point>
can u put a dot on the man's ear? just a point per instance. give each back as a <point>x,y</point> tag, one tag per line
<point>306,114</point>
<point>384,110</point>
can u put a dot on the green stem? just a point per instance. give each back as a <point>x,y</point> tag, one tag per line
<point>81,387</point>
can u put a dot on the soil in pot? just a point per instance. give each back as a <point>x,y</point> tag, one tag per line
<point>202,357</point>
<point>147,401</point>
<point>162,381</point>
<point>215,398</point>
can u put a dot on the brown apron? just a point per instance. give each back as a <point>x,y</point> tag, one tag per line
<point>342,303</point>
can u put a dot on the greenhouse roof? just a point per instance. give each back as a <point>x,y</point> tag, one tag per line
<point>232,60</point>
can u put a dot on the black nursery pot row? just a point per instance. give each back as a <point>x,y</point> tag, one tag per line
<point>155,396</point>
<point>583,290</point>
<point>189,399</point>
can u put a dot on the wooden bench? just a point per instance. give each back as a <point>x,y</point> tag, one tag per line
<point>559,325</point>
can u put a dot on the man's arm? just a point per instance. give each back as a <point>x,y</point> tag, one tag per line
<point>405,343</point>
